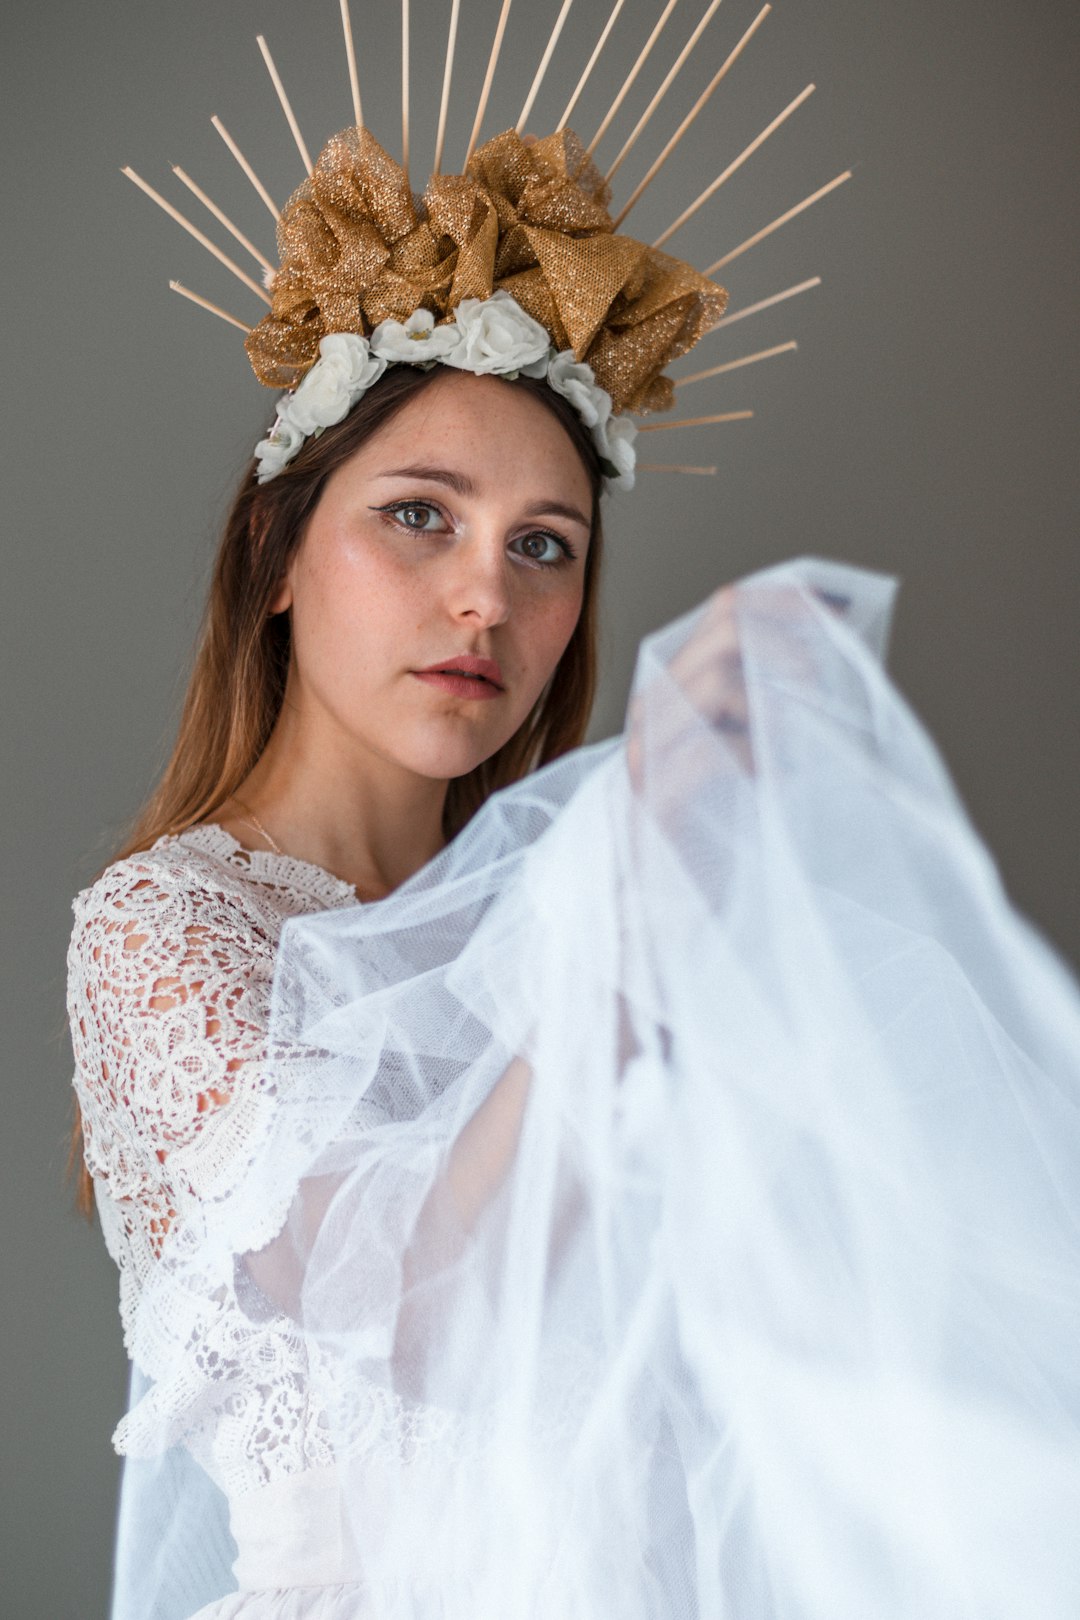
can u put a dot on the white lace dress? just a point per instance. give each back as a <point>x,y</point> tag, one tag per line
<point>169,975</point>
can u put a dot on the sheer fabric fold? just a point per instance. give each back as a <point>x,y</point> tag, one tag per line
<point>675,1189</point>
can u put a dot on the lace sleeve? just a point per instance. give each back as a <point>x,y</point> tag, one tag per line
<point>168,990</point>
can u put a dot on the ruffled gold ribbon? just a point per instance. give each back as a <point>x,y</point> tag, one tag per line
<point>357,248</point>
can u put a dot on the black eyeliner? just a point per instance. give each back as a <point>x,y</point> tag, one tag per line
<point>564,545</point>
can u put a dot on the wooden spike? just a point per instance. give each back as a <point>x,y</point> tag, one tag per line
<point>590,64</point>
<point>451,43</point>
<point>496,47</point>
<point>766,303</point>
<point>692,114</point>
<point>223,218</point>
<point>694,421</point>
<point>193,230</point>
<point>350,56</point>
<point>733,365</point>
<point>671,466</point>
<point>634,71</point>
<point>776,224</point>
<point>204,303</point>
<point>672,74</point>
<point>405,88</point>
<point>305,156</point>
<point>542,69</point>
<point>246,166</point>
<point>780,118</point>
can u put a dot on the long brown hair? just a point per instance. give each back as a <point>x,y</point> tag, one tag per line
<point>241,660</point>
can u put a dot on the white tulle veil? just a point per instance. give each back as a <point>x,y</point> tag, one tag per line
<point>675,1186</point>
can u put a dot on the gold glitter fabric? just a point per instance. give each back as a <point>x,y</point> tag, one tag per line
<point>357,247</point>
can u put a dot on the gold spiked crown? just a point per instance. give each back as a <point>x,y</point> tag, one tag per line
<point>357,248</point>
<point>360,253</point>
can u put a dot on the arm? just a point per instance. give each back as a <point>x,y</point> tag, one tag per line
<point>167,996</point>
<point>483,1152</point>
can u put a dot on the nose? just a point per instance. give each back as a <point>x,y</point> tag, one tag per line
<point>478,591</point>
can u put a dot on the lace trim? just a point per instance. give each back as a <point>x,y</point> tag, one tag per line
<point>265,865</point>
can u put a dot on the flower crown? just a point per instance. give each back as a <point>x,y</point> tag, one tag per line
<point>487,335</point>
<point>514,266</point>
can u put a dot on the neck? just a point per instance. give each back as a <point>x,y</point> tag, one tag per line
<point>356,814</point>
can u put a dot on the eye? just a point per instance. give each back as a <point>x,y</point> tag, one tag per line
<point>407,513</point>
<point>549,550</point>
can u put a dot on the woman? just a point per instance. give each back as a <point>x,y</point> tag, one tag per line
<point>335,591</point>
<point>654,1198</point>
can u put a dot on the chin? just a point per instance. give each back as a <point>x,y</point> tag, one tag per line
<point>447,759</point>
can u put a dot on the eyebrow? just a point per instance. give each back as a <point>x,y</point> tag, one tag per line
<point>462,484</point>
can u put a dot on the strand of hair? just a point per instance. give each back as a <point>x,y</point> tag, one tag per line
<point>222,217</point>
<point>691,115</point>
<point>634,71</point>
<point>496,47</point>
<point>590,64</point>
<point>193,230</point>
<point>694,421</point>
<point>699,202</point>
<point>246,166</point>
<point>766,303</point>
<point>733,365</point>
<point>669,80</point>
<point>553,40</point>
<point>675,467</point>
<point>448,69</point>
<point>405,88</point>
<point>204,303</point>
<point>286,107</point>
<point>776,224</point>
<point>350,57</point>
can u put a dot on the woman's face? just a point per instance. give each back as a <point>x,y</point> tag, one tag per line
<point>458,531</point>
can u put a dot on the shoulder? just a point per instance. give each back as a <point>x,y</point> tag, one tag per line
<point>155,901</point>
<point>169,974</point>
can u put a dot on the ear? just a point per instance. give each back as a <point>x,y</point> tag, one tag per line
<point>281,600</point>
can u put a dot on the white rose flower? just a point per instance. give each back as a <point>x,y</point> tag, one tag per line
<point>416,340</point>
<point>345,370</point>
<point>498,336</point>
<point>537,368</point>
<point>352,354</point>
<point>615,442</point>
<point>575,381</point>
<point>280,445</point>
<point>323,397</point>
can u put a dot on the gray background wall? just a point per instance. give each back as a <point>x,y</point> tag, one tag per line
<point>926,427</point>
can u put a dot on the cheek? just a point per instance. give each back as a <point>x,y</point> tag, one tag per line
<point>548,630</point>
<point>349,606</point>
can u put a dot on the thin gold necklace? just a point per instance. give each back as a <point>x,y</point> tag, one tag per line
<point>250,819</point>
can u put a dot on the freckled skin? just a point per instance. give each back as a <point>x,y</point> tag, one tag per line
<point>373,599</point>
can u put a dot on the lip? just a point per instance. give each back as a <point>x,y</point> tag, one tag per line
<point>465,675</point>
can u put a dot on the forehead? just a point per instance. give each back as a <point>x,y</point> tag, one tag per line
<point>499,435</point>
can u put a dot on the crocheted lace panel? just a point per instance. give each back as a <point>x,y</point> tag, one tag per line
<point>169,977</point>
